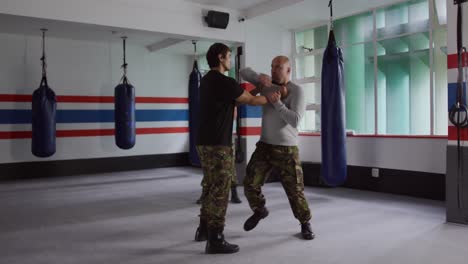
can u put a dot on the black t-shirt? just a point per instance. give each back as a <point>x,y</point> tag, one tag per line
<point>217,101</point>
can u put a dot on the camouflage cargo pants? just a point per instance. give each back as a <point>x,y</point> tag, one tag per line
<point>233,178</point>
<point>285,160</point>
<point>218,170</point>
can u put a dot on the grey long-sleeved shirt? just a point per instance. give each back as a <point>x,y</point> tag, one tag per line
<point>280,121</point>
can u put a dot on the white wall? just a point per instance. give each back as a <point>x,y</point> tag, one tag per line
<point>425,155</point>
<point>87,68</point>
<point>263,42</point>
<point>90,68</point>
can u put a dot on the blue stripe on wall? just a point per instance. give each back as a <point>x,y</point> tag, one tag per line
<point>452,94</point>
<point>251,111</point>
<point>93,116</point>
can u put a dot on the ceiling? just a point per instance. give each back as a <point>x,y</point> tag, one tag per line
<point>231,4</point>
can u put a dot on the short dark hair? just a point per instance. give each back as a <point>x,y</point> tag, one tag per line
<point>214,51</point>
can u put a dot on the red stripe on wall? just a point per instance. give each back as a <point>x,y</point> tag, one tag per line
<point>15,98</point>
<point>453,134</point>
<point>94,132</point>
<point>162,100</point>
<point>94,99</point>
<point>15,134</point>
<point>162,130</point>
<point>84,99</point>
<point>85,133</point>
<point>452,61</point>
<point>251,131</point>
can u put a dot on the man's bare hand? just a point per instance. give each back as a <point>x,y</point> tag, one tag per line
<point>273,97</point>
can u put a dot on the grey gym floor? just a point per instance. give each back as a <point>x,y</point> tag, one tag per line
<point>150,217</point>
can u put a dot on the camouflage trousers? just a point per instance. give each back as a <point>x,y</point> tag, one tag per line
<point>285,160</point>
<point>218,171</point>
<point>233,178</point>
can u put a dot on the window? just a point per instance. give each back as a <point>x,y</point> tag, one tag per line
<point>404,85</point>
<point>395,70</point>
<point>359,80</point>
<point>310,46</point>
<point>355,36</point>
<point>440,80</point>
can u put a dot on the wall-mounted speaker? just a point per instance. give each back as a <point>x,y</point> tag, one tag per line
<point>216,19</point>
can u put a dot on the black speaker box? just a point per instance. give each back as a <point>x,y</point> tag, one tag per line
<point>217,19</point>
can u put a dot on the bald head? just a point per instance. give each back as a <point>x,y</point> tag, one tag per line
<point>281,69</point>
<point>281,59</point>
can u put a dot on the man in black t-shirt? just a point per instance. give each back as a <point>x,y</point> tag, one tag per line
<point>218,97</point>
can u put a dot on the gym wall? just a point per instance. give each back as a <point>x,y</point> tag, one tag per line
<point>83,74</point>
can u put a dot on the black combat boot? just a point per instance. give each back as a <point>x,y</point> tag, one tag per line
<point>202,231</point>
<point>216,243</point>
<point>252,221</point>
<point>307,232</point>
<point>234,196</point>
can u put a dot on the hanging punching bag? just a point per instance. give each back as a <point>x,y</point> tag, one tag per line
<point>124,112</point>
<point>333,122</point>
<point>43,119</point>
<point>194,111</point>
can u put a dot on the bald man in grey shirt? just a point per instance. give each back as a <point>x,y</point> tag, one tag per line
<point>277,149</point>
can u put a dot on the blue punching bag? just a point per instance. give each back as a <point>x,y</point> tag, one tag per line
<point>194,112</point>
<point>333,118</point>
<point>44,107</point>
<point>43,119</point>
<point>124,112</point>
